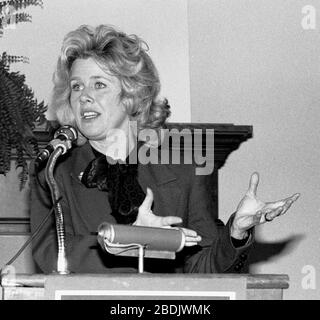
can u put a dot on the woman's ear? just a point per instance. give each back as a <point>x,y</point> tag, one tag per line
<point>125,104</point>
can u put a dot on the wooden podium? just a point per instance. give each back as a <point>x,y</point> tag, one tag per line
<point>144,286</point>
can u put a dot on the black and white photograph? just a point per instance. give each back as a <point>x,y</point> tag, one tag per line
<point>159,150</point>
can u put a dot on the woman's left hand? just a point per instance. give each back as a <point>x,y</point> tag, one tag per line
<point>146,218</point>
<point>251,211</point>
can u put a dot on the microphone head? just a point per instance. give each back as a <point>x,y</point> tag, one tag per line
<point>68,132</point>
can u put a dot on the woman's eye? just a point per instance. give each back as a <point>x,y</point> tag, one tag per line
<point>75,87</point>
<point>100,85</point>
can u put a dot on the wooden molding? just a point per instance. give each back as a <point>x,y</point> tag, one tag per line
<point>227,136</point>
<point>14,226</point>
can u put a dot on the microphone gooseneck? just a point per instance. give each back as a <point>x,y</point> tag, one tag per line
<point>61,143</point>
<point>62,265</point>
<point>63,139</point>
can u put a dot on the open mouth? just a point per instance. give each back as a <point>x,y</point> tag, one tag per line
<point>87,115</point>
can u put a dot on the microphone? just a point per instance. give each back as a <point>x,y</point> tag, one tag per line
<point>63,139</point>
<point>157,239</point>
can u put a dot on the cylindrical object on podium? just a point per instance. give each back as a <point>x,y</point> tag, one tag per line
<point>158,239</point>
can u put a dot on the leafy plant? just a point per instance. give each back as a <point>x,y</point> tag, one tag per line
<point>19,109</point>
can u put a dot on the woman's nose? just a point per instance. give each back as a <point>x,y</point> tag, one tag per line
<point>86,97</point>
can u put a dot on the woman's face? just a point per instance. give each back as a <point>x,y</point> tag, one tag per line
<point>95,101</point>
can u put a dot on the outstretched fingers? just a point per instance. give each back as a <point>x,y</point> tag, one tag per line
<point>274,209</point>
<point>270,214</point>
<point>192,238</point>
<point>285,203</point>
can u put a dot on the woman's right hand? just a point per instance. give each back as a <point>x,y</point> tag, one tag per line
<point>146,218</point>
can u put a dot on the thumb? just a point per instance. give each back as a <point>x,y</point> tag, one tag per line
<point>148,200</point>
<point>170,220</point>
<point>253,185</point>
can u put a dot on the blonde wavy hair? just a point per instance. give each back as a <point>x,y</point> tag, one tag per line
<point>125,57</point>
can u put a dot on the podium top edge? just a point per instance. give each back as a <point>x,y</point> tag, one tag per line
<point>254,281</point>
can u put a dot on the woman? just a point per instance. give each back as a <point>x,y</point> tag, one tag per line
<point>104,82</point>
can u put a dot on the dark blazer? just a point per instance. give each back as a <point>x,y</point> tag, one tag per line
<point>177,192</point>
